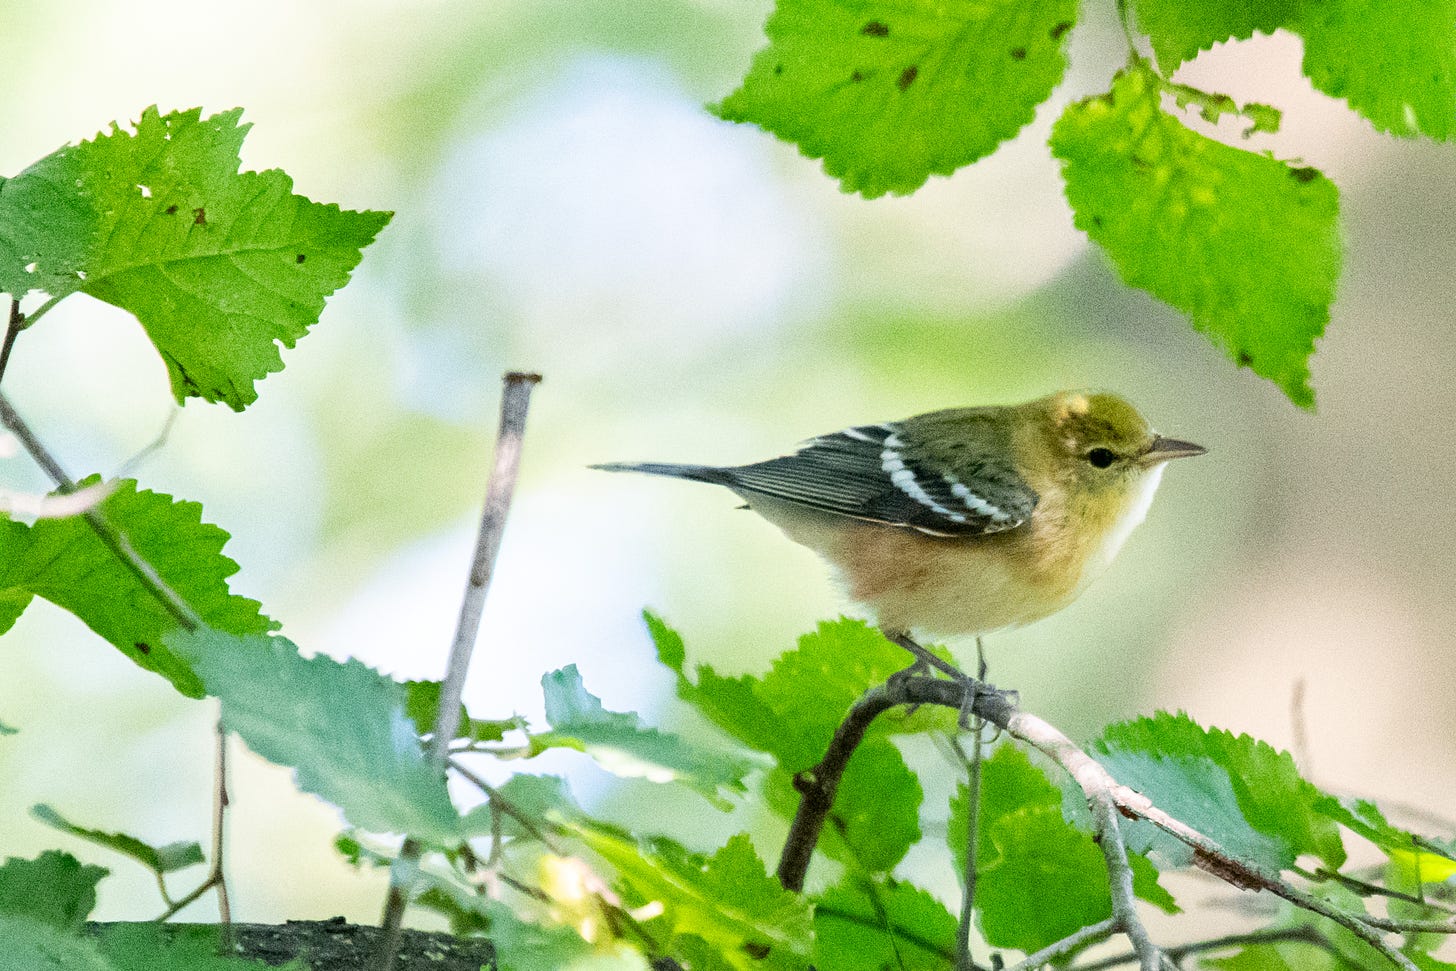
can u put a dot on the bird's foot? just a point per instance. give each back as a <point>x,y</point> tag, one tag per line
<point>926,662</point>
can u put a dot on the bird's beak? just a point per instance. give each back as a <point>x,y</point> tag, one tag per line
<point>1165,449</point>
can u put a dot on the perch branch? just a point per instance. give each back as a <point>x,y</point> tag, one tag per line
<point>501,486</point>
<point>1107,799</point>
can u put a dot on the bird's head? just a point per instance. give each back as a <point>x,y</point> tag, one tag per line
<point>1097,446</point>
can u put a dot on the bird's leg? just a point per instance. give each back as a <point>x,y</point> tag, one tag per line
<point>924,660</point>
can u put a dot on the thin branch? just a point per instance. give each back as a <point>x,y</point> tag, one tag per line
<point>1304,934</point>
<point>1366,889</point>
<point>1071,944</point>
<point>15,322</point>
<point>1107,798</point>
<point>114,540</point>
<point>506,806</point>
<point>964,961</point>
<point>501,486</point>
<point>219,832</point>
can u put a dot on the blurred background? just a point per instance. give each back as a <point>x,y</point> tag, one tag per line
<point>696,291</point>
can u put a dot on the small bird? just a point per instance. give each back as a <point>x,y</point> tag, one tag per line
<point>963,521</point>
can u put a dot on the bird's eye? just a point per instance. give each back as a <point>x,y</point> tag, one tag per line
<point>1101,458</point>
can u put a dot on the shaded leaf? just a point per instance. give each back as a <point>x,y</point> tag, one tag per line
<point>173,947</point>
<point>623,744</point>
<point>341,725</point>
<point>882,924</point>
<point>30,944</point>
<point>1242,792</point>
<point>158,859</point>
<point>1179,31</point>
<point>1246,245</point>
<point>54,888</point>
<point>890,92</point>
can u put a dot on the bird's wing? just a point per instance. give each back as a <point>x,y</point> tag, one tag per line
<point>864,473</point>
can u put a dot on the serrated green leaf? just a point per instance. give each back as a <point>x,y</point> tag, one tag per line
<point>65,562</point>
<point>158,859</point>
<point>882,924</point>
<point>1246,245</point>
<point>218,266</point>
<point>622,744</point>
<point>1393,61</point>
<point>1030,893</point>
<point>29,944</point>
<point>422,705</point>
<point>890,92</point>
<point>173,947</point>
<point>341,725</point>
<point>727,900</point>
<point>1179,31</point>
<point>1038,878</point>
<point>1241,792</point>
<point>54,888</point>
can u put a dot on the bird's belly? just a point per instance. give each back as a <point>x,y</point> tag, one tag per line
<point>932,585</point>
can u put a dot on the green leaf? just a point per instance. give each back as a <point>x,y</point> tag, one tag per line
<point>7,730</point>
<point>1028,855</point>
<point>64,561</point>
<point>1038,878</point>
<point>158,859</point>
<point>173,947</point>
<point>727,900</point>
<point>890,92</point>
<point>876,814</point>
<point>1393,61</point>
<point>422,705</point>
<point>54,888</point>
<point>523,945</point>
<point>30,944</point>
<point>622,744</point>
<point>882,924</point>
<point>218,266</point>
<point>341,725</point>
<point>1365,818</point>
<point>1246,245</point>
<point>1178,31</point>
<point>1237,790</point>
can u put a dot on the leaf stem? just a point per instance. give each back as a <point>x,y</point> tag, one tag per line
<point>515,400</point>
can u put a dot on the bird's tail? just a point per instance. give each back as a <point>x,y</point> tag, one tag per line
<point>697,473</point>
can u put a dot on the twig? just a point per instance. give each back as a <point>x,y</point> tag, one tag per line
<point>1303,934</point>
<point>1068,945</point>
<point>506,806</point>
<point>1106,797</point>
<point>1366,889</point>
<point>187,618</point>
<point>818,785</point>
<point>500,488</point>
<point>13,326</point>
<point>964,961</point>
<point>219,829</point>
<point>109,535</point>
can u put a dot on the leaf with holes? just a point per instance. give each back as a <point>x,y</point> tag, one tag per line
<point>891,92</point>
<point>219,266</point>
<point>1245,244</point>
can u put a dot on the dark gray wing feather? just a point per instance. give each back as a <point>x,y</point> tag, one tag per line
<point>864,473</point>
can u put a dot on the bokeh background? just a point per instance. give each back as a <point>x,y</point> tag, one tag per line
<point>694,290</point>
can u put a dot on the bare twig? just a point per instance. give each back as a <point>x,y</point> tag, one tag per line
<point>964,961</point>
<point>1071,944</point>
<point>501,487</point>
<point>108,534</point>
<point>1303,934</point>
<point>15,322</point>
